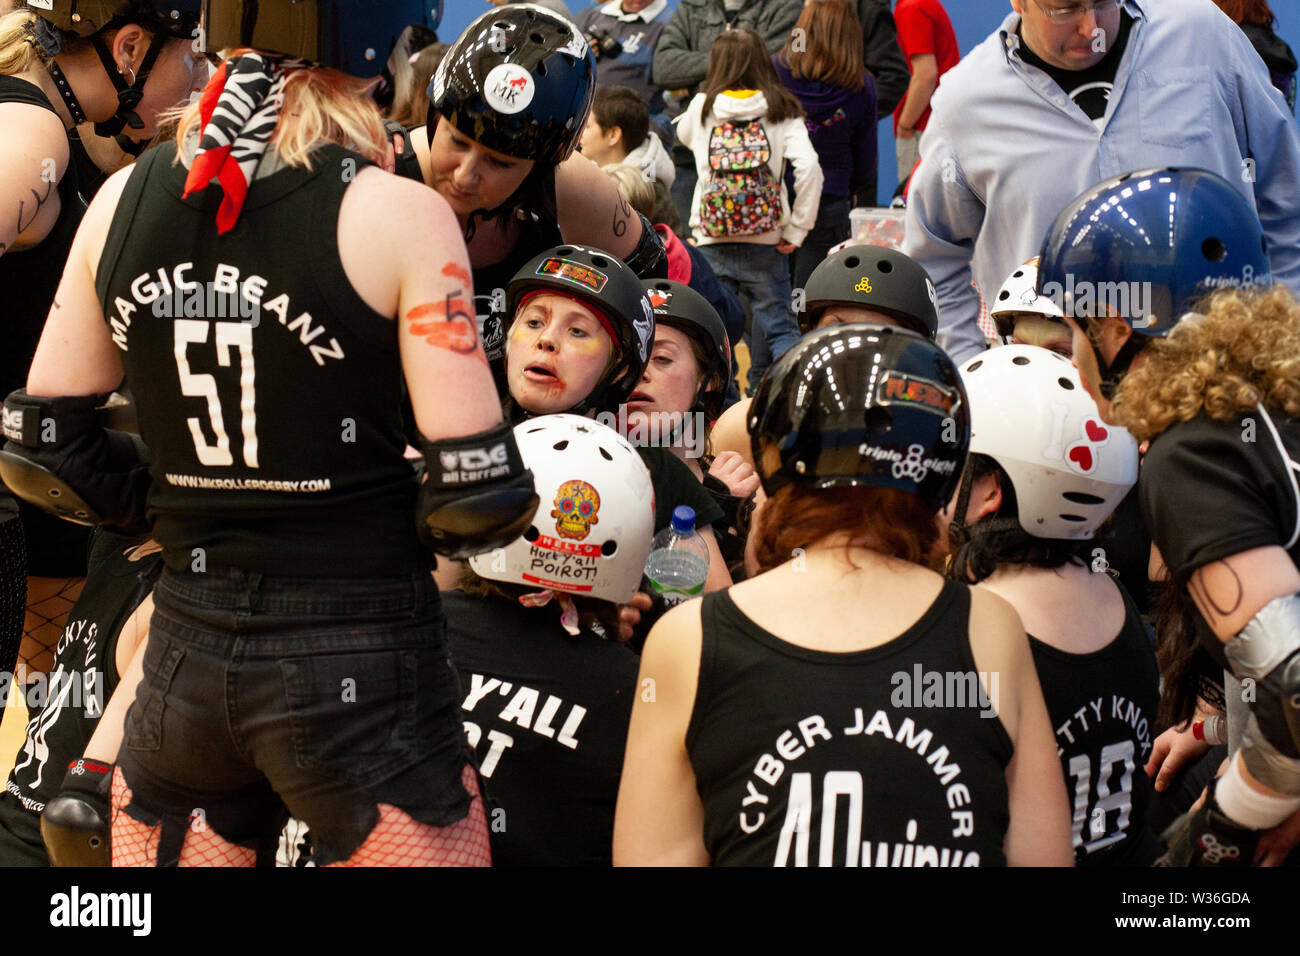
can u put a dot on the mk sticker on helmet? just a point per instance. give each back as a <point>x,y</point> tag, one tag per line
<point>508,88</point>
<point>897,387</point>
<point>574,272</point>
<point>576,506</point>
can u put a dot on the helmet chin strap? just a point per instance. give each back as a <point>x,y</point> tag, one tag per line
<point>128,97</point>
<point>959,533</point>
<point>1113,372</point>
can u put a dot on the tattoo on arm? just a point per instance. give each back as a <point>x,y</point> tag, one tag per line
<point>1219,598</point>
<point>40,201</point>
<point>622,213</point>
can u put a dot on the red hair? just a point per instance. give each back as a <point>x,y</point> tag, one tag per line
<point>1247,11</point>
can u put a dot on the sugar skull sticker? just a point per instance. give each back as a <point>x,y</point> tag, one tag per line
<point>576,505</point>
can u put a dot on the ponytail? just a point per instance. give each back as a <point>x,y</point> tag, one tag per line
<point>20,46</point>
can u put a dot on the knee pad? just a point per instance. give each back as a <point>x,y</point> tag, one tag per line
<point>1267,652</point>
<point>75,824</point>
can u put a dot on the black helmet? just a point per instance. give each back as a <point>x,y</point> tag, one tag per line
<point>354,36</point>
<point>594,276</point>
<point>683,308</point>
<point>873,277</point>
<point>176,18</point>
<point>519,80</point>
<point>860,404</point>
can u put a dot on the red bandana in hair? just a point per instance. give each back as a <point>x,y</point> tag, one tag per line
<point>239,111</point>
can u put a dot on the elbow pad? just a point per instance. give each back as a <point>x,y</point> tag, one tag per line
<point>477,494</point>
<point>649,260</point>
<point>60,458</point>
<point>1267,652</point>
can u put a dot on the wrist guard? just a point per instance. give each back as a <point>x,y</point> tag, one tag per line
<point>60,458</point>
<point>477,494</point>
<point>649,260</point>
<point>75,824</point>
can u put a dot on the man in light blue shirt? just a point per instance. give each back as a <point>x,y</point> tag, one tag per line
<point>1064,96</point>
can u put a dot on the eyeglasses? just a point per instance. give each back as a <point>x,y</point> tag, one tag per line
<point>1074,12</point>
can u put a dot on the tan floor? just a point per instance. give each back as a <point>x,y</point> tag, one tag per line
<point>13,726</point>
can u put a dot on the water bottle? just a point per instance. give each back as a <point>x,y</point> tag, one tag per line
<point>679,560</point>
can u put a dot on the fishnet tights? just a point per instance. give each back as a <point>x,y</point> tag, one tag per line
<point>48,602</point>
<point>397,840</point>
<point>136,844</point>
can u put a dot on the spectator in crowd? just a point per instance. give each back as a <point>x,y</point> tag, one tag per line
<point>925,34</point>
<point>883,56</point>
<point>822,66</point>
<point>681,58</point>
<point>618,131</point>
<point>397,79</point>
<point>411,107</point>
<point>686,264</point>
<point>1048,106</point>
<point>1256,21</point>
<point>623,36</point>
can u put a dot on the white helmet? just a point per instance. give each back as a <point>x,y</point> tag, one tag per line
<point>594,527</point>
<point>1019,295</point>
<point>1029,413</point>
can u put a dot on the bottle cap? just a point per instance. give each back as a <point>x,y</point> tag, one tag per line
<point>683,519</point>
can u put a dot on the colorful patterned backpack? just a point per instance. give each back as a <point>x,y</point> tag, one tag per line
<point>742,196</point>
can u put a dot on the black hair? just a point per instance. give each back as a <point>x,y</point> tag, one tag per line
<point>1176,652</point>
<point>987,549</point>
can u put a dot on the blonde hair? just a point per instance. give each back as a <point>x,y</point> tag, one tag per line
<point>633,187</point>
<point>19,49</point>
<point>320,105</point>
<point>1244,351</point>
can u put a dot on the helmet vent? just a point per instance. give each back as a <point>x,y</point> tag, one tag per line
<point>974,365</point>
<point>1078,518</point>
<point>604,454</point>
<point>561,445</point>
<point>532,533</point>
<point>1004,295</point>
<point>884,265</point>
<point>1213,249</point>
<point>1082,498</point>
<point>537,38</point>
<point>608,548</point>
<point>852,262</point>
<point>1020,360</point>
<point>1018,274</point>
<point>564,251</point>
<point>600,262</point>
<point>1065,383</point>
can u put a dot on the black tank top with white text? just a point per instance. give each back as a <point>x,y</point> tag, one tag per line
<point>269,393</point>
<point>890,756</point>
<point>1103,711</point>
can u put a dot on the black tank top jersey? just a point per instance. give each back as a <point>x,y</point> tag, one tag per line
<point>82,679</point>
<point>547,715</point>
<point>268,392</point>
<point>29,279</point>
<point>1103,710</point>
<point>810,758</point>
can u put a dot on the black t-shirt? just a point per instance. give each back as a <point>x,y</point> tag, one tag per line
<point>1090,88</point>
<point>810,758</point>
<point>1214,489</point>
<point>1103,710</point>
<point>268,391</point>
<point>547,715</point>
<point>675,485</point>
<point>78,686</point>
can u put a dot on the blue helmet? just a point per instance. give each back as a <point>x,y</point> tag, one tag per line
<point>1149,244</point>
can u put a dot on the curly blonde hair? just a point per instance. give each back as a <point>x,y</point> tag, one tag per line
<point>1244,351</point>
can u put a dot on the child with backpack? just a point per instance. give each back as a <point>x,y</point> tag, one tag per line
<point>742,127</point>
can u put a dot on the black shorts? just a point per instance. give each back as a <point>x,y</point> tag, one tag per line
<point>322,697</point>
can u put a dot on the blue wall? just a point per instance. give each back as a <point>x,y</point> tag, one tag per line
<point>972,21</point>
